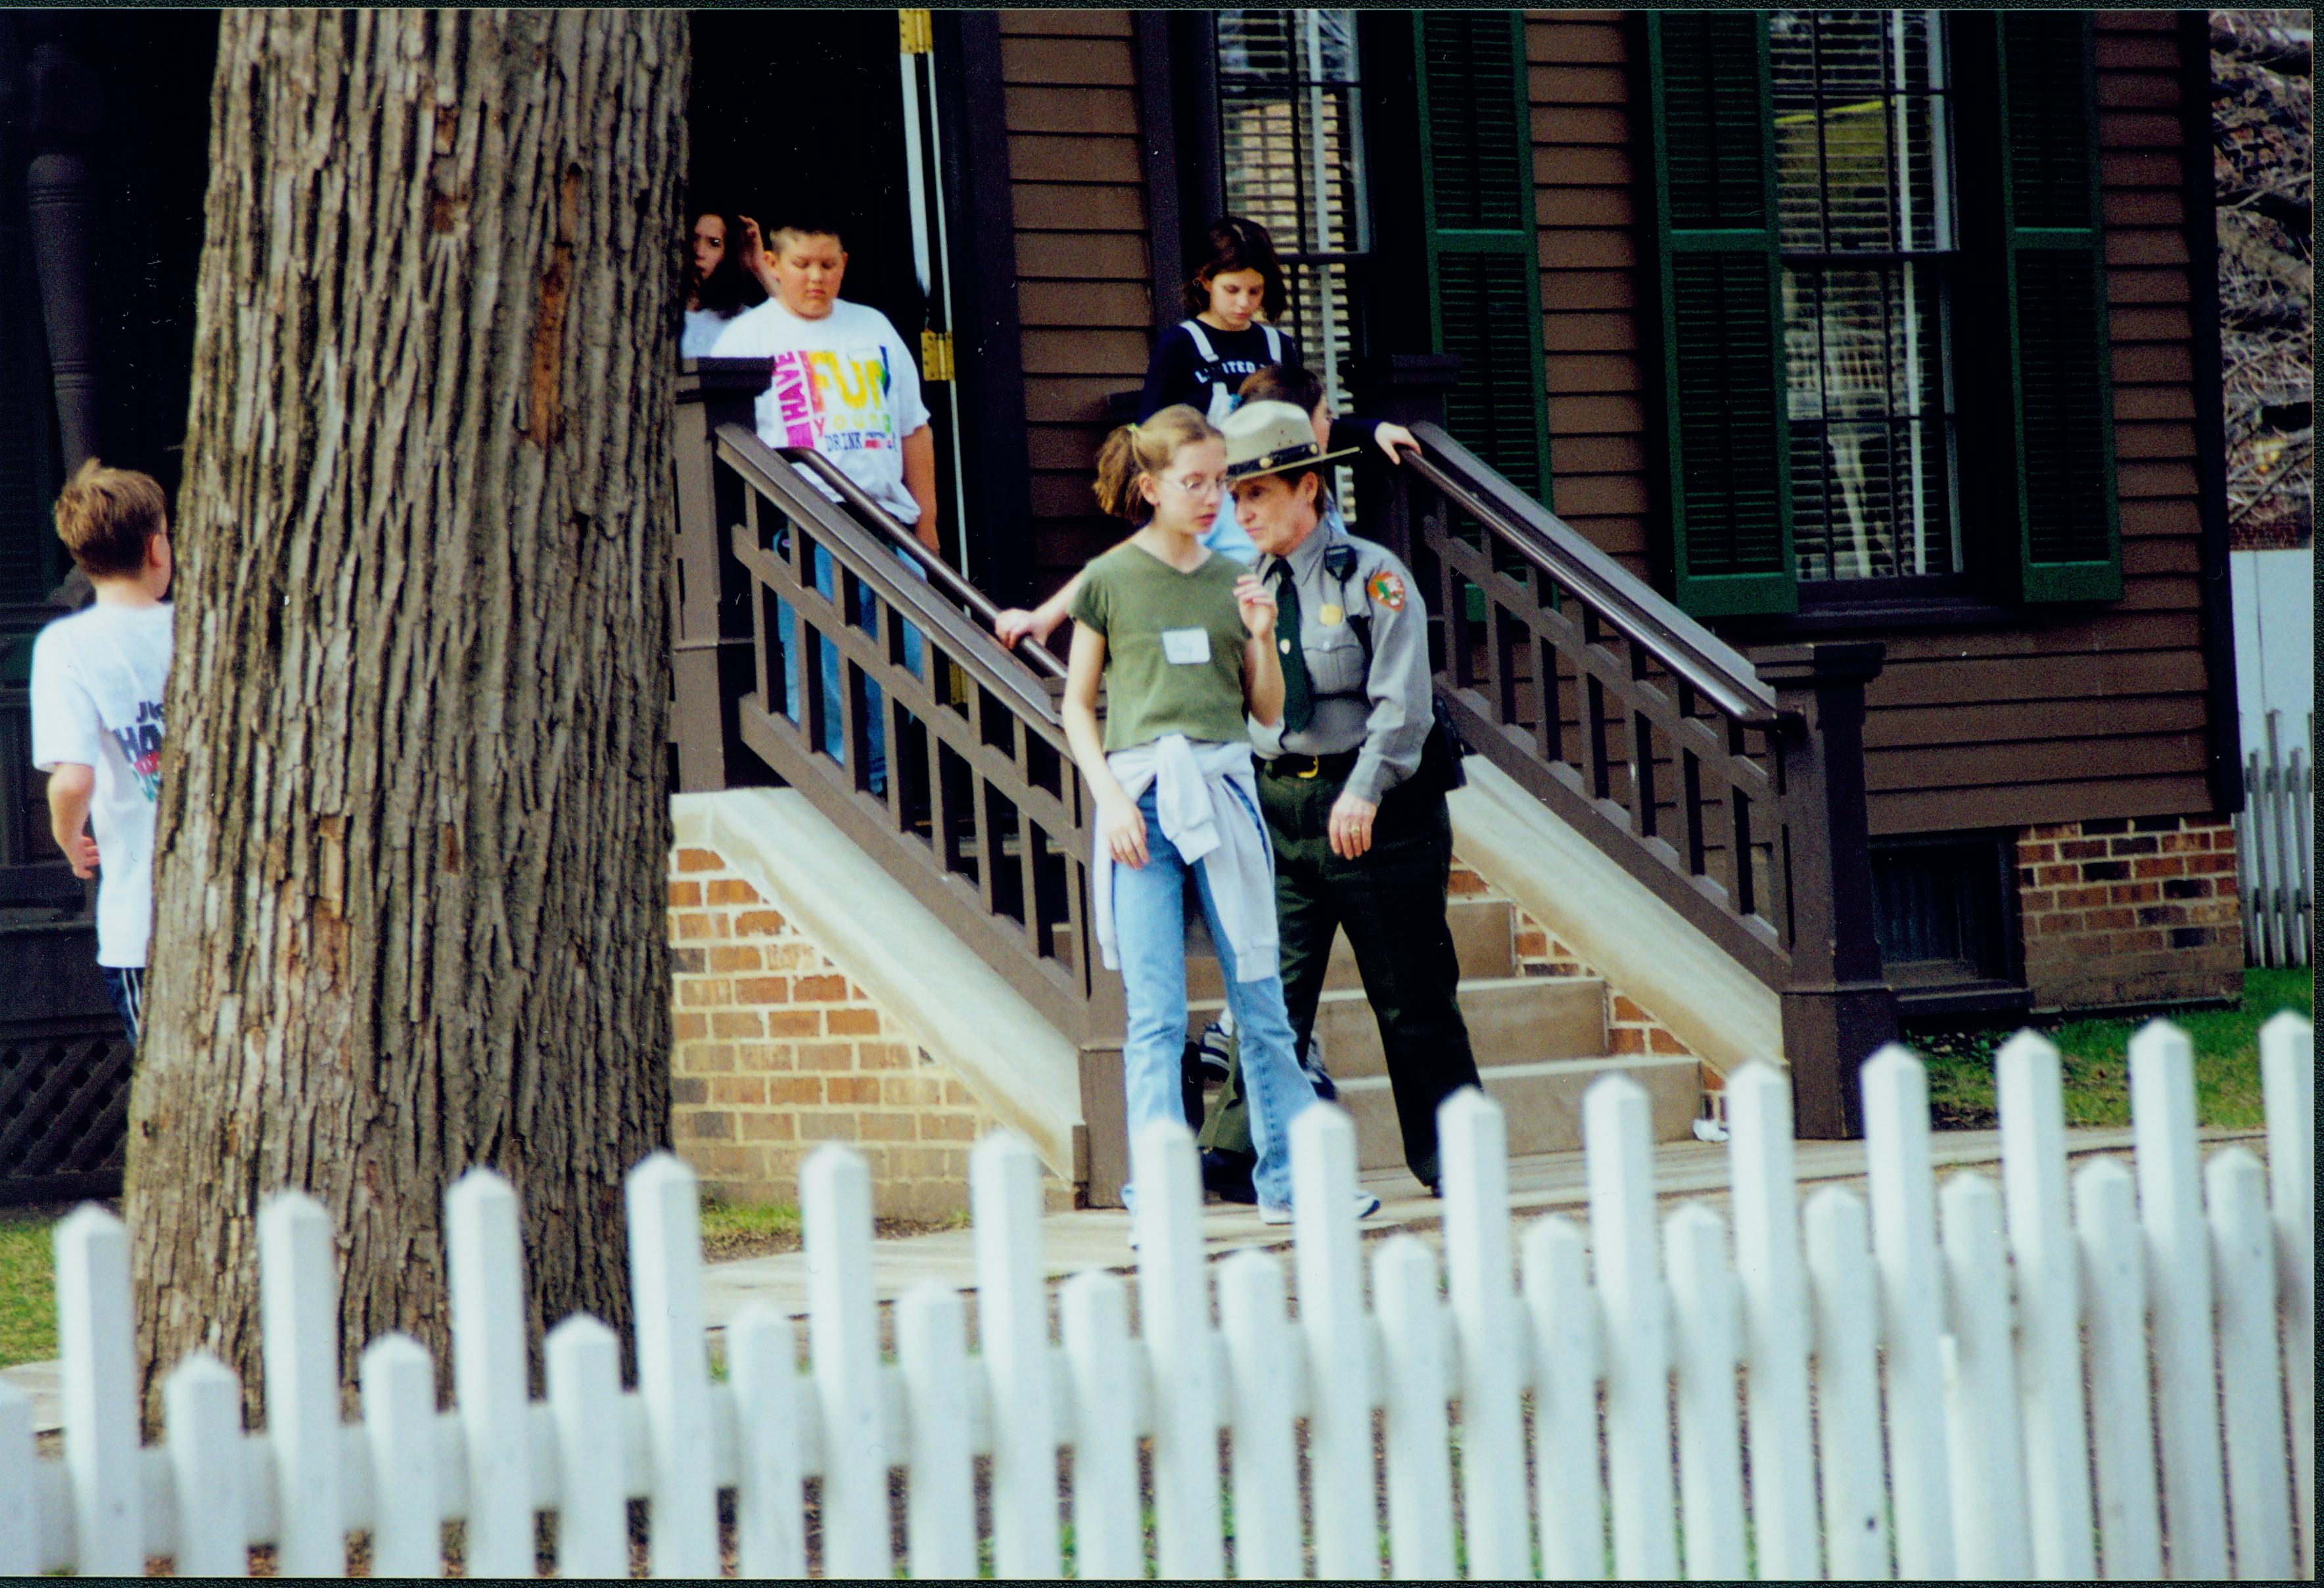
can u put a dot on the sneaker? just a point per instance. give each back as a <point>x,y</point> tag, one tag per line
<point>1367,1204</point>
<point>1311,1064</point>
<point>1210,1053</point>
<point>1227,1176</point>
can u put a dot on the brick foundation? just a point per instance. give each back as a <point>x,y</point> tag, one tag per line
<point>775,1052</point>
<point>2130,912</point>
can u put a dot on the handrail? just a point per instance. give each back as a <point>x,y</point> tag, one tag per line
<point>941,573</point>
<point>1709,666</point>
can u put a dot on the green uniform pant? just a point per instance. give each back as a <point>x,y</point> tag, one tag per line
<point>1390,901</point>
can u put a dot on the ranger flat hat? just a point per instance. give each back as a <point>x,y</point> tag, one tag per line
<point>1271,438</point>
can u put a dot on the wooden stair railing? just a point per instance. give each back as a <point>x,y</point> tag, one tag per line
<point>1734,791</point>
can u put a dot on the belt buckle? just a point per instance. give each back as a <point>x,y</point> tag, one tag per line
<point>1315,768</point>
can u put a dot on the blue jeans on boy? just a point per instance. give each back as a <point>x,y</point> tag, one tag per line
<point>835,742</point>
<point>1149,928</point>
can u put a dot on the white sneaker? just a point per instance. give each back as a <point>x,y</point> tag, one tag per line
<point>1367,1204</point>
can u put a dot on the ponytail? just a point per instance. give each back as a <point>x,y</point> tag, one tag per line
<point>1136,451</point>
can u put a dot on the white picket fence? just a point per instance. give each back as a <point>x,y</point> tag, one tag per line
<point>2275,854</point>
<point>1957,1385</point>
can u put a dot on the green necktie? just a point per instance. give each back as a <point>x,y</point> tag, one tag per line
<point>1298,694</point>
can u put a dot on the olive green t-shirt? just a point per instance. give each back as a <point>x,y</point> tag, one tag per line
<point>1173,646</point>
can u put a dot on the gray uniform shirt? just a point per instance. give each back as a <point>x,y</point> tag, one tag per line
<point>1383,712</point>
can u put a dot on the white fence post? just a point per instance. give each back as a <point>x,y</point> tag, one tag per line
<point>940,1503</point>
<point>2287,1056</point>
<point>1012,1326</point>
<point>1706,1326</point>
<point>1567,1354</point>
<point>1174,1304</point>
<point>1109,1543</point>
<point>489,1375</point>
<point>298,1301</point>
<point>771,1425</point>
<point>1988,1468</point>
<point>1762,1171</point>
<point>2049,1308</point>
<point>1473,1139</point>
<point>583,1362</point>
<point>407,1516</point>
<point>2122,1426</point>
<point>1415,1382</point>
<point>844,1346</point>
<point>1912,1308</point>
<point>2179,1287</point>
<point>1343,1473</point>
<point>1260,1360</point>
<point>673,1364</point>
<point>94,1318</point>
<point>202,1400</point>
<point>1847,1302</point>
<point>2242,1276</point>
<point>1619,1164</point>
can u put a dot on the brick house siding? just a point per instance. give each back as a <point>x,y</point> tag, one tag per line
<point>2131,910</point>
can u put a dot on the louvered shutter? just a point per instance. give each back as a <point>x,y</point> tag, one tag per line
<point>1483,258</point>
<point>1724,421</point>
<point>2069,536</point>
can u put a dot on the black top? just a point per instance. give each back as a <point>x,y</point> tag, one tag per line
<point>1178,372</point>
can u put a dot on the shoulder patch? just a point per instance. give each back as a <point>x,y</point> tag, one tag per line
<point>1387,588</point>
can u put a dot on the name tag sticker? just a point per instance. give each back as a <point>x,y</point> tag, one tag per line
<point>1186,647</point>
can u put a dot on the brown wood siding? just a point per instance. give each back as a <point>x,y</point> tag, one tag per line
<point>2060,715</point>
<point>1084,298</point>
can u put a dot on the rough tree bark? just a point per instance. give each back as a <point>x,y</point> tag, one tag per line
<point>413,827</point>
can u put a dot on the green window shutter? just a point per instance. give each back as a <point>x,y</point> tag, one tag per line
<point>1483,256</point>
<point>2068,533</point>
<point>1725,423</point>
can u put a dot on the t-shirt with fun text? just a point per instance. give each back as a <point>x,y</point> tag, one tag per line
<point>845,385</point>
<point>97,678</point>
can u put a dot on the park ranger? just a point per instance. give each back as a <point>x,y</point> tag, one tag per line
<point>1362,841</point>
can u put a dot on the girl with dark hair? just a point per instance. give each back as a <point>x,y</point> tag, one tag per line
<point>721,283</point>
<point>1230,299</point>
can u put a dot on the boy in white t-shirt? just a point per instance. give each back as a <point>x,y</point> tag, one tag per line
<point>845,384</point>
<point>98,680</point>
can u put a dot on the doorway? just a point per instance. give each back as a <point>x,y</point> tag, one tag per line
<point>805,113</point>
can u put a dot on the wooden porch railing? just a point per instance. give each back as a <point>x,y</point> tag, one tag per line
<point>978,809</point>
<point>1735,792</point>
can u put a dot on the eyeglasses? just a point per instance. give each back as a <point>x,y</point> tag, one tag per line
<point>1201,485</point>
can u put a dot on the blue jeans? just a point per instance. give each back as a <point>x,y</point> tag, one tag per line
<point>835,743</point>
<point>126,986</point>
<point>1149,929</point>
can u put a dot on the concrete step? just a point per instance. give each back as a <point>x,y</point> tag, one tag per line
<point>1543,1102</point>
<point>1512,1019</point>
<point>1484,935</point>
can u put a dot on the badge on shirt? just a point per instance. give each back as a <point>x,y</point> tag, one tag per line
<point>1186,647</point>
<point>1387,588</point>
<point>1330,615</point>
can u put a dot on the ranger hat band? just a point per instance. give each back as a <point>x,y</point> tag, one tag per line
<point>1272,437</point>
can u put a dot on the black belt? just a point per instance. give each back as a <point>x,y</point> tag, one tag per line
<point>1291,764</point>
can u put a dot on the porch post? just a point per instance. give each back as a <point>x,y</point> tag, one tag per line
<point>1837,1009</point>
<point>1407,389</point>
<point>710,612</point>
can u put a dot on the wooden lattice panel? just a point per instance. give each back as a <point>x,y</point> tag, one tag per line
<point>64,1106</point>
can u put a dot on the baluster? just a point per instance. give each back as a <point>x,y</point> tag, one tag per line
<point>932,1346</point>
<point>1500,689</point>
<point>1339,1462</point>
<point>2179,1282</point>
<point>1746,898</point>
<point>1989,1468</point>
<point>1568,1357</point>
<point>1621,1169</point>
<point>673,1364</point>
<point>1705,1320</point>
<point>1763,1173</point>
<point>844,1341</point>
<point>2243,1258</point>
<point>1416,1382</point>
<point>1174,1303</point>
<point>1109,1542</point>
<point>1642,749</point>
<point>2287,1056</point>
<point>298,1301</point>
<point>1842,1286</point>
<point>1012,1326</point>
<point>1599,770</point>
<point>1912,1293</point>
<point>1492,1365</point>
<point>2122,1429</point>
<point>1260,1361</point>
<point>583,1362</point>
<point>407,1518</point>
<point>202,1401</point>
<point>489,1376</point>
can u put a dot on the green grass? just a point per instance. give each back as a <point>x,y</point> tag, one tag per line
<point>2096,1061</point>
<point>747,1221</point>
<point>28,1292</point>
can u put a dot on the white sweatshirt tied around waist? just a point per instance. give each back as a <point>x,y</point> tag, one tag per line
<point>1206,802</point>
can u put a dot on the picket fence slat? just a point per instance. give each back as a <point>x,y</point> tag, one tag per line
<point>1912,1307</point>
<point>2287,1056</point>
<point>1988,1473</point>
<point>2048,1290</point>
<point>1845,1299</point>
<point>1474,1142</point>
<point>2275,852</point>
<point>2122,1429</point>
<point>2020,1317</point>
<point>2179,1288</point>
<point>1620,1175</point>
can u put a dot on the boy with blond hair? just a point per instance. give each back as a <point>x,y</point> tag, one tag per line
<point>97,681</point>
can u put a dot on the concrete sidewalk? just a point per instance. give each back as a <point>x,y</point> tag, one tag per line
<point>1072,1243</point>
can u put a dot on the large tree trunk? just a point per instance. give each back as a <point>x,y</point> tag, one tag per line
<point>413,827</point>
